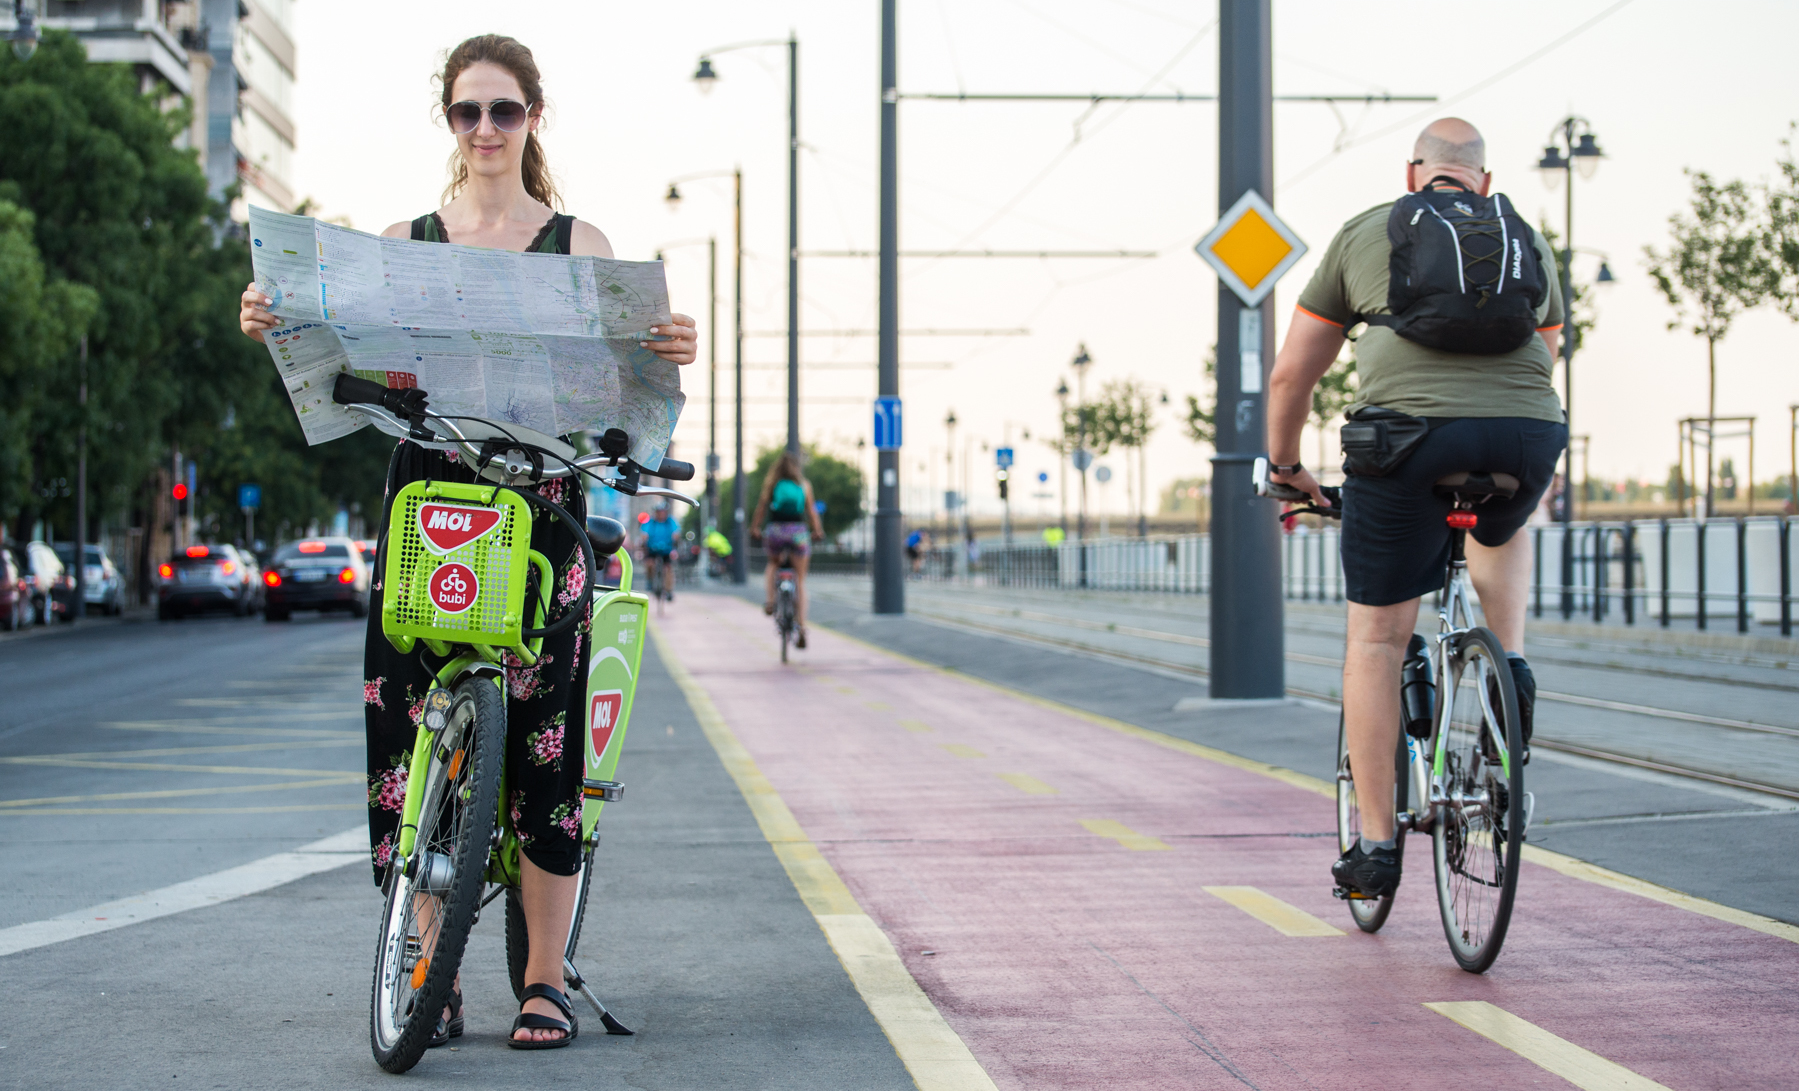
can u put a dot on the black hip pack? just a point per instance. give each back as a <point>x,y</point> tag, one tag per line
<point>1375,440</point>
<point>1464,275</point>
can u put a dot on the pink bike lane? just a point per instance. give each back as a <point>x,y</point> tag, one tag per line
<point>1044,879</point>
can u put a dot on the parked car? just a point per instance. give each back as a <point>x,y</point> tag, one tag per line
<point>52,589</point>
<point>316,574</point>
<point>102,587</point>
<point>15,592</point>
<point>202,578</point>
<point>369,549</point>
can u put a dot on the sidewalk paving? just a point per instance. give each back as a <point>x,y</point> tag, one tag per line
<point>1069,897</point>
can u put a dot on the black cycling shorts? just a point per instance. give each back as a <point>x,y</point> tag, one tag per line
<point>1395,533</point>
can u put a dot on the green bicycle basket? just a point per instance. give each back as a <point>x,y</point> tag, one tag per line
<point>456,561</point>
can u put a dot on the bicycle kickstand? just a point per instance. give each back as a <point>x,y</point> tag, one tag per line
<point>607,1019</point>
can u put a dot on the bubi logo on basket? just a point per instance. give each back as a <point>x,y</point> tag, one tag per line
<point>602,719</point>
<point>453,588</point>
<point>448,527</point>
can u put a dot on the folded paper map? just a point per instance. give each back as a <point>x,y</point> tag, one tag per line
<point>547,341</point>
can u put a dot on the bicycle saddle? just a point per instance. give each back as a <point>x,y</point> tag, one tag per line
<point>1477,485</point>
<point>608,535</point>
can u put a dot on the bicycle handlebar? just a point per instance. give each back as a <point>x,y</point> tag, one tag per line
<point>1274,490</point>
<point>674,470</point>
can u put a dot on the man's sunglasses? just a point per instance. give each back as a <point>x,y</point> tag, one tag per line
<point>508,116</point>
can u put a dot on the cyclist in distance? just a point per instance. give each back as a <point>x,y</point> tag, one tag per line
<point>1492,409</point>
<point>501,196</point>
<point>659,546</point>
<point>786,521</point>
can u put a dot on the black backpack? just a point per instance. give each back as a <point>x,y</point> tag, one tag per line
<point>1465,275</point>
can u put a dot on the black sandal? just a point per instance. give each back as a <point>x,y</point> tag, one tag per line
<point>528,1020</point>
<point>446,1028</point>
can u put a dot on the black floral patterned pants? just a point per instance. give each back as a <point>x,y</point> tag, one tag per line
<point>545,702</point>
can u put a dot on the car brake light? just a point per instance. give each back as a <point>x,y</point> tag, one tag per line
<point>348,575</point>
<point>273,579</point>
<point>1463,520</point>
<point>312,547</point>
<point>198,551</point>
<point>228,567</point>
<point>166,571</point>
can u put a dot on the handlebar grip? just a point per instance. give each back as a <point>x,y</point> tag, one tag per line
<point>673,470</point>
<point>351,390</point>
<point>1277,491</point>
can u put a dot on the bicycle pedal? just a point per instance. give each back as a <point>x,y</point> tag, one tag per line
<point>1344,894</point>
<point>610,791</point>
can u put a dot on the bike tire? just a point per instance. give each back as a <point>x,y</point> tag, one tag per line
<point>1368,913</point>
<point>1477,849</point>
<point>518,937</point>
<point>449,864</point>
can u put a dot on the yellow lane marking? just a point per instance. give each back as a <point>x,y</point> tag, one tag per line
<point>1286,919</point>
<point>916,725</point>
<point>1028,784</point>
<point>1582,1068</point>
<point>961,751</point>
<point>170,793</point>
<point>1567,865</point>
<point>1123,834</point>
<point>848,691</point>
<point>316,732</point>
<point>878,706</point>
<point>192,810</point>
<point>228,770</point>
<point>933,1053</point>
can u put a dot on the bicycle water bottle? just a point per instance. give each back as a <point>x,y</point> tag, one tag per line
<point>1417,691</point>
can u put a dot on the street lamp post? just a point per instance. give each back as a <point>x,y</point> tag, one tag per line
<point>23,36</point>
<point>705,76</point>
<point>1062,462</point>
<point>1081,363</point>
<point>709,504</point>
<point>1571,146</point>
<point>739,536</point>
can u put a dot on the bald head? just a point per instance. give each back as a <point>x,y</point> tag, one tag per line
<point>1449,146</point>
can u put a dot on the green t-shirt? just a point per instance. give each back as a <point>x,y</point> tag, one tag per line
<point>1405,376</point>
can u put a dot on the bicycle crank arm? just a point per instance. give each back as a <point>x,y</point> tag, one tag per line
<point>573,977</point>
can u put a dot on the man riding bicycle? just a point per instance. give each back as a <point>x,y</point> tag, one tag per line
<point>1480,404</point>
<point>659,548</point>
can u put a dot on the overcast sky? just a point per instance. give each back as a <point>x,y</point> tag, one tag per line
<point>1666,86</point>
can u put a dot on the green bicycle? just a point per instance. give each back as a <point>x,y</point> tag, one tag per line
<point>1461,750</point>
<point>458,568</point>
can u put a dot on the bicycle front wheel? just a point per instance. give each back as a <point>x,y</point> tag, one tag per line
<point>1477,794</point>
<point>1369,913</point>
<point>432,899</point>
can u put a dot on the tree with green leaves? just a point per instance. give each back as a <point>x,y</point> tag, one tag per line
<point>1715,268</point>
<point>1125,417</point>
<point>1334,392</point>
<point>835,483</point>
<point>1781,238</point>
<point>1202,409</point>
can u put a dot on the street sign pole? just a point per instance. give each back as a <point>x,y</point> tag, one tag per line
<point>889,565</point>
<point>1247,652</point>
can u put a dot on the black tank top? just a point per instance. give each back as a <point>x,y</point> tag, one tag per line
<point>552,238</point>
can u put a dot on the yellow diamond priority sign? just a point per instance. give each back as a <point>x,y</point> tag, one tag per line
<point>1251,248</point>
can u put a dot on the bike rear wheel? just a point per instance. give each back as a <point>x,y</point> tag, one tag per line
<point>1477,796</point>
<point>432,901</point>
<point>1369,913</point>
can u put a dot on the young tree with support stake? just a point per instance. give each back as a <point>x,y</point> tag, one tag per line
<point>1715,269</point>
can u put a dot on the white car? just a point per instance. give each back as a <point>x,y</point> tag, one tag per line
<point>102,586</point>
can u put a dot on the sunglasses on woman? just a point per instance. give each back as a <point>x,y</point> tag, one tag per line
<point>508,116</point>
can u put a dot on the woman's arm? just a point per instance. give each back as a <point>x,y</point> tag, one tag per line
<point>818,526</point>
<point>759,519</point>
<point>683,337</point>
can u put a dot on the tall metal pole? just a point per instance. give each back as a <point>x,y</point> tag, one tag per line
<point>80,554</point>
<point>739,530</point>
<point>710,517</point>
<point>1566,515</point>
<point>1247,640</point>
<point>793,244</point>
<point>889,565</point>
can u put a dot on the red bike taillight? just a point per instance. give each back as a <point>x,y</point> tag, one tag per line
<point>1463,520</point>
<point>348,575</point>
<point>273,579</point>
<point>166,571</point>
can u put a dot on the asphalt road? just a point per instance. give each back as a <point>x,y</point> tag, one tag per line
<point>138,755</point>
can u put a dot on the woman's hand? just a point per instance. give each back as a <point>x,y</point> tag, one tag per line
<point>683,340</point>
<point>254,316</point>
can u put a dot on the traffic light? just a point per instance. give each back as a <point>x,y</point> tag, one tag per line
<point>179,492</point>
<point>1002,475</point>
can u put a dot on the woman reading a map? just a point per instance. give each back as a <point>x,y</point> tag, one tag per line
<point>500,196</point>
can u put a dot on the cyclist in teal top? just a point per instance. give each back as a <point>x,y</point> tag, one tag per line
<point>784,515</point>
<point>659,546</point>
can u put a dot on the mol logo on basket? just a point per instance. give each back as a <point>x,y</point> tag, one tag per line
<point>448,527</point>
<point>453,588</point>
<point>602,718</point>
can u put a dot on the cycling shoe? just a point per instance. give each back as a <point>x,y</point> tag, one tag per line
<point>1525,683</point>
<point>1371,874</point>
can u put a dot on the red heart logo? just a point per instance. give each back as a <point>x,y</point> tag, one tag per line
<point>453,588</point>
<point>448,527</point>
<point>602,719</point>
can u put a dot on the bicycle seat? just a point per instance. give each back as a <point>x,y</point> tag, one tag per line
<point>607,535</point>
<point>1477,485</point>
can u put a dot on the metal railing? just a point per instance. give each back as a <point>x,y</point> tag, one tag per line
<point>1733,572</point>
